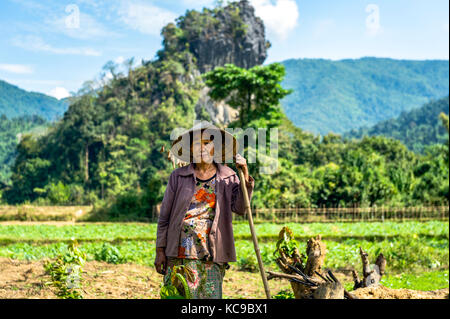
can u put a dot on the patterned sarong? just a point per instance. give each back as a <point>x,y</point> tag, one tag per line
<point>208,277</point>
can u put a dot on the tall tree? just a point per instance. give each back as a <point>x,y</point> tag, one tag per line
<point>253,92</point>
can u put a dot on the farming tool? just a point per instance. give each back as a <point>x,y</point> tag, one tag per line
<point>252,230</point>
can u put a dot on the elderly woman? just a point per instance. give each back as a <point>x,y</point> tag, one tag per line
<point>195,222</point>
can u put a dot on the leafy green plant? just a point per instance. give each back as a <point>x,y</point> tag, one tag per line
<point>109,253</point>
<point>177,286</point>
<point>284,294</point>
<point>248,263</point>
<point>66,271</point>
<point>170,292</point>
<point>58,193</point>
<point>286,243</point>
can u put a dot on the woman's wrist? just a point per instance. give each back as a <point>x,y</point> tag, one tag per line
<point>246,174</point>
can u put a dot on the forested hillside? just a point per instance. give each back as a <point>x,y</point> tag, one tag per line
<point>338,96</point>
<point>106,148</point>
<point>417,128</point>
<point>16,102</point>
<point>11,131</point>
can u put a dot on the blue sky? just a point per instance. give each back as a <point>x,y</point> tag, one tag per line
<point>54,46</point>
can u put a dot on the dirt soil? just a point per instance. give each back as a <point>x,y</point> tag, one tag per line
<point>382,292</point>
<point>27,279</point>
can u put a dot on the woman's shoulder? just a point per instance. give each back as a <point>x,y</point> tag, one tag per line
<point>223,170</point>
<point>183,170</point>
<point>226,171</point>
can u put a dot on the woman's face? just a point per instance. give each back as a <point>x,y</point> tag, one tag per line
<point>203,151</point>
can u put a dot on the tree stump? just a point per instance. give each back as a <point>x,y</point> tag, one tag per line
<point>371,275</point>
<point>329,290</point>
<point>304,271</point>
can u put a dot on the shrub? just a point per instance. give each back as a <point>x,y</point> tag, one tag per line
<point>109,254</point>
<point>58,193</point>
<point>66,271</point>
<point>248,263</point>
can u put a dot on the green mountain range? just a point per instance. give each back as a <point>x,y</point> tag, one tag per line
<point>15,102</point>
<point>339,96</point>
<point>416,129</point>
<point>328,96</point>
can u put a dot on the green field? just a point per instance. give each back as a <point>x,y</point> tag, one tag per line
<point>417,253</point>
<point>269,231</point>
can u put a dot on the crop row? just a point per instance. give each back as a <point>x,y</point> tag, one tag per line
<point>119,232</point>
<point>405,254</point>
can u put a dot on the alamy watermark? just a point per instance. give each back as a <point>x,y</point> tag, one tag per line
<point>261,144</point>
<point>373,19</point>
<point>73,276</point>
<point>73,19</point>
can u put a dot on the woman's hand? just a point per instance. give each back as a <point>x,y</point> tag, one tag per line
<point>161,261</point>
<point>241,163</point>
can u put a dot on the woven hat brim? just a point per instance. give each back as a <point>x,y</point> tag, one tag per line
<point>183,142</point>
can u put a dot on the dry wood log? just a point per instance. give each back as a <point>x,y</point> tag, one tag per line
<point>329,290</point>
<point>371,275</point>
<point>273,274</point>
<point>305,277</point>
<point>316,251</point>
<point>381,263</point>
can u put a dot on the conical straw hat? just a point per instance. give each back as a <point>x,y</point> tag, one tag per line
<point>181,145</point>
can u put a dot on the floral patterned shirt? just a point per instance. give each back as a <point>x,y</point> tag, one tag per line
<point>194,237</point>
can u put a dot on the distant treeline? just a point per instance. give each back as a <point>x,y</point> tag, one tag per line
<point>337,96</point>
<point>16,102</point>
<point>10,132</point>
<point>417,128</point>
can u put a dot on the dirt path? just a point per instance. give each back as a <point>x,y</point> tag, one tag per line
<point>26,279</point>
<point>22,279</point>
<point>382,292</point>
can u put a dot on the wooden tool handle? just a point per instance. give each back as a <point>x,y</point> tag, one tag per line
<point>252,230</point>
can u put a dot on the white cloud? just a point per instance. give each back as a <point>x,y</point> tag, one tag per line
<point>144,17</point>
<point>119,60</point>
<point>200,3</point>
<point>108,76</point>
<point>16,68</point>
<point>31,5</point>
<point>279,18</point>
<point>34,43</point>
<point>59,93</point>
<point>88,27</point>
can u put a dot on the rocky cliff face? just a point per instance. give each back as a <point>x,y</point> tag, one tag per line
<point>238,37</point>
<point>215,37</point>
<point>219,113</point>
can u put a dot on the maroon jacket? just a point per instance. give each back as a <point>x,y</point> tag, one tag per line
<point>177,197</point>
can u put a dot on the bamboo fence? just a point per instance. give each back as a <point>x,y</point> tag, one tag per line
<point>347,214</point>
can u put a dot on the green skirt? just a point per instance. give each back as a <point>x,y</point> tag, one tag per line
<point>207,280</point>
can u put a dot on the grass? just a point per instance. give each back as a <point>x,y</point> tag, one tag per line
<point>40,213</point>
<point>422,281</point>
<point>401,255</point>
<point>146,232</point>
